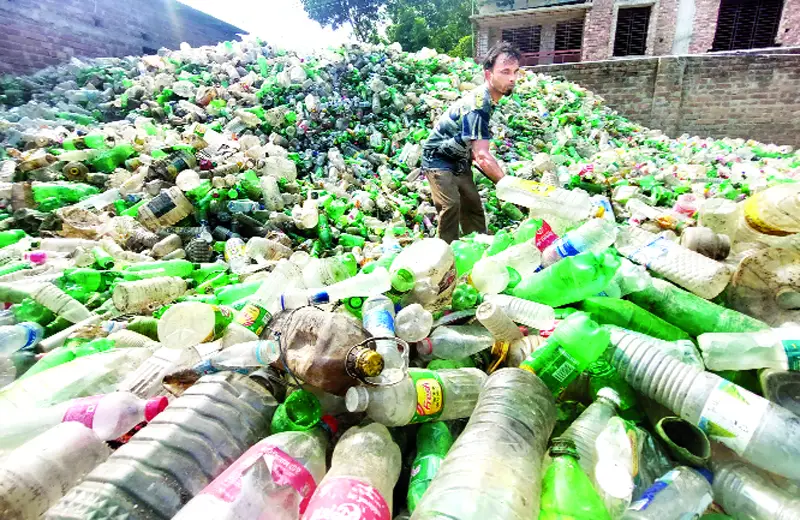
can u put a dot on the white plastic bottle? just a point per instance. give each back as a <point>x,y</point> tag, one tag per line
<point>456,341</point>
<point>531,314</point>
<point>60,303</point>
<point>364,470</point>
<point>274,479</point>
<point>38,473</point>
<point>22,335</point>
<point>490,276</point>
<point>252,354</point>
<point>759,431</point>
<point>422,396</point>
<point>541,198</point>
<point>433,264</point>
<point>374,283</point>
<point>595,235</point>
<point>108,415</point>
<point>150,293</point>
<point>692,271</point>
<point>614,467</point>
<point>413,323</point>
<point>497,322</point>
<point>378,319</point>
<point>774,348</point>
<point>681,493</point>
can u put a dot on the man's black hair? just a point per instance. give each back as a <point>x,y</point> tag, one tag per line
<point>497,50</point>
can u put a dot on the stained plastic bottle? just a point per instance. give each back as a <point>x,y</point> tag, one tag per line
<point>573,279</point>
<point>275,479</point>
<point>681,493</point>
<point>20,336</point>
<point>531,314</point>
<point>494,469</point>
<point>364,470</point>
<point>147,294</point>
<point>497,322</point>
<point>774,211</point>
<point>422,396</point>
<point>456,341</point>
<point>60,303</point>
<point>176,455</point>
<point>166,209</point>
<point>432,262</point>
<point>776,348</point>
<point>587,427</point>
<point>541,198</point>
<point>38,473</point>
<point>433,442</point>
<point>413,323</point>
<point>628,315</point>
<point>109,416</point>
<point>249,355</point>
<point>378,319</point>
<point>745,493</point>
<point>701,275</point>
<point>759,431</point>
<point>596,236</point>
<point>566,491</point>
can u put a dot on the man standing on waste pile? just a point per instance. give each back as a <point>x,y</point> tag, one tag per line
<point>461,135</point>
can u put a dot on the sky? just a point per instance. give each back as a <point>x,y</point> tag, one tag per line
<point>282,23</point>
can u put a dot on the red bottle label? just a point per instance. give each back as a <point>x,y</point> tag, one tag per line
<point>82,410</point>
<point>545,236</point>
<point>285,471</point>
<point>349,499</point>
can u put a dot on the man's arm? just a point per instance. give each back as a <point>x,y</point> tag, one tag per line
<point>486,161</point>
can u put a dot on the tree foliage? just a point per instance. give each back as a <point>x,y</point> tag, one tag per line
<point>362,15</point>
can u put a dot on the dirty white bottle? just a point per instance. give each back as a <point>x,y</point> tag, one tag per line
<point>497,322</point>
<point>274,479</point>
<point>774,348</point>
<point>494,469</point>
<point>61,303</point>
<point>150,293</point>
<point>745,493</point>
<point>413,323</point>
<point>41,471</point>
<point>759,431</point>
<point>595,235</point>
<point>568,204</point>
<point>378,319</point>
<point>456,341</point>
<point>422,396</point>
<point>531,314</point>
<point>701,275</point>
<point>364,470</point>
<point>681,493</point>
<point>587,427</point>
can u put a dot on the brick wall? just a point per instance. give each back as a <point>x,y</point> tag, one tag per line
<point>38,33</point>
<point>597,29</point>
<point>749,95</point>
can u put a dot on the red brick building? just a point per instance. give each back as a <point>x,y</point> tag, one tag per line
<point>564,31</point>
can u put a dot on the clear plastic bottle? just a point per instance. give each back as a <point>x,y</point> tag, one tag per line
<point>376,282</point>
<point>274,479</point>
<point>490,276</point>
<point>423,395</point>
<point>587,427</point>
<point>573,205</point>
<point>775,348</point>
<point>378,320</point>
<point>745,493</point>
<point>38,473</point>
<point>494,469</point>
<point>176,455</point>
<point>595,235</point>
<point>60,303</point>
<point>456,341</point>
<point>433,264</point>
<point>497,322</point>
<point>252,354</point>
<point>681,493</point>
<point>413,323</point>
<point>693,271</point>
<point>759,431</point>
<point>22,335</point>
<point>146,379</point>
<point>147,294</point>
<point>614,467</point>
<point>235,255</point>
<point>109,416</point>
<point>683,350</point>
<point>719,215</point>
<point>262,250</point>
<point>524,258</point>
<point>364,470</point>
<point>526,312</point>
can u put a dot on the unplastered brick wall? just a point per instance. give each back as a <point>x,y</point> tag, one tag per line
<point>749,95</point>
<point>38,33</point>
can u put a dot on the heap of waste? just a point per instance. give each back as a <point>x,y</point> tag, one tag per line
<point>224,298</point>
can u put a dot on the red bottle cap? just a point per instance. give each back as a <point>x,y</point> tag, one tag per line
<point>154,407</point>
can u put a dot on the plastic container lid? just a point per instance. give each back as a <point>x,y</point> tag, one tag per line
<point>356,399</point>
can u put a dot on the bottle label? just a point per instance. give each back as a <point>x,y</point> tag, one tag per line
<point>545,236</point>
<point>558,370</point>
<point>651,252</point>
<point>792,349</point>
<point>82,410</point>
<point>430,395</point>
<point>30,337</point>
<point>284,470</point>
<point>379,322</point>
<point>566,248</point>
<point>254,318</point>
<point>731,415</point>
<point>319,298</point>
<point>223,316</point>
<point>424,469</point>
<point>161,205</point>
<point>537,188</point>
<point>349,499</point>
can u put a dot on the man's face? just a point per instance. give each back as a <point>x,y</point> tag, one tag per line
<point>503,76</point>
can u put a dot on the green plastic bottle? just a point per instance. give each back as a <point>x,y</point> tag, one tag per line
<point>300,411</point>
<point>95,141</point>
<point>571,280</point>
<point>102,258</point>
<point>576,343</point>
<point>448,364</point>
<point>403,280</point>
<point>628,315</point>
<point>29,310</point>
<point>465,297</point>
<point>466,253</point>
<point>182,268</point>
<point>567,493</point>
<point>502,240</point>
<point>350,241</point>
<point>433,442</point>
<point>603,375</point>
<point>233,293</point>
<point>65,354</point>
<point>108,161</point>
<point>11,236</point>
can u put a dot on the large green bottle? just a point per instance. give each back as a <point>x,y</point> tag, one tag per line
<point>433,442</point>
<point>628,315</point>
<point>576,343</point>
<point>182,268</point>
<point>567,493</point>
<point>11,236</point>
<point>109,161</point>
<point>65,354</point>
<point>571,280</point>
<point>88,141</point>
<point>466,253</point>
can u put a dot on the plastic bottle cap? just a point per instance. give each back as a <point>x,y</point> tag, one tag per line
<point>368,363</point>
<point>610,394</point>
<point>331,423</point>
<point>356,399</point>
<point>154,407</point>
<point>564,446</point>
<point>425,347</point>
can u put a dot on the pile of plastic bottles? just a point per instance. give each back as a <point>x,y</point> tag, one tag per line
<point>224,300</point>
